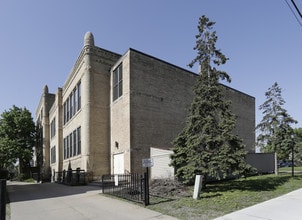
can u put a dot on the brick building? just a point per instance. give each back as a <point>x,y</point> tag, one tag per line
<point>113,108</point>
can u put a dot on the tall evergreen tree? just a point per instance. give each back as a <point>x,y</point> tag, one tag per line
<point>17,137</point>
<point>207,144</point>
<point>275,131</point>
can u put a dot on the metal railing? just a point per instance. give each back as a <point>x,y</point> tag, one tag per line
<point>70,177</point>
<point>132,187</point>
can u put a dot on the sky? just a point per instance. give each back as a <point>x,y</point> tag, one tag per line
<point>41,40</point>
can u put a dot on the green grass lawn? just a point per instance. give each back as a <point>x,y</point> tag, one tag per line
<point>289,169</point>
<point>227,196</point>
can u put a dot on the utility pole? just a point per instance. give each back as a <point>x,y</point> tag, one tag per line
<point>292,147</point>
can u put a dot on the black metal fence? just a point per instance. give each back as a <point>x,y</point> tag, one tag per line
<point>70,177</point>
<point>2,199</point>
<point>134,187</point>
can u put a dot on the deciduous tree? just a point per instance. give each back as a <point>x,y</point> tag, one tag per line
<point>17,137</point>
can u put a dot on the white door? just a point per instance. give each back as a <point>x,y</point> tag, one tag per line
<point>118,164</point>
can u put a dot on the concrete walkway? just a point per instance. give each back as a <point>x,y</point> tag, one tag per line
<point>54,201</point>
<point>286,207</point>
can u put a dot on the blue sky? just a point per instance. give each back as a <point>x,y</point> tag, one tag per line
<point>41,40</point>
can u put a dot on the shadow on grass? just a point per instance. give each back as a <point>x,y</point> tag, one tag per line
<point>155,199</point>
<point>210,196</point>
<point>268,183</point>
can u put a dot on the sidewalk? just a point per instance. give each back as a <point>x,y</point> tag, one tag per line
<point>55,201</point>
<point>50,201</point>
<point>285,207</point>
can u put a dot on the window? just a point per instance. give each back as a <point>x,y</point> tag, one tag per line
<point>53,154</point>
<point>72,144</point>
<point>53,128</point>
<point>65,148</point>
<point>75,96</point>
<point>79,140</point>
<point>72,104</point>
<point>118,82</point>
<point>65,113</point>
<point>67,108</point>
<point>79,95</point>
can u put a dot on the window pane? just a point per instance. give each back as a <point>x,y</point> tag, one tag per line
<point>71,105</point>
<point>64,113</point>
<point>71,145</point>
<point>115,77</point>
<point>53,128</point>
<point>79,140</point>
<point>79,96</point>
<point>67,108</point>
<point>64,152</point>
<point>67,147</point>
<point>120,89</point>
<point>115,92</point>
<point>120,73</point>
<point>53,154</point>
<point>74,142</point>
<point>75,105</point>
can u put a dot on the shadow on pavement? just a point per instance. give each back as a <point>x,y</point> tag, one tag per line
<point>19,192</point>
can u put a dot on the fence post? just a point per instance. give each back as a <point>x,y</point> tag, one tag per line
<point>103,187</point>
<point>146,187</point>
<point>2,199</point>
<point>197,186</point>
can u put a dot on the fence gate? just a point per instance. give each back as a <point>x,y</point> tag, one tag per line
<point>134,187</point>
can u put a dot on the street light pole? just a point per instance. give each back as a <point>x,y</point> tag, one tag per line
<point>293,143</point>
<point>293,171</point>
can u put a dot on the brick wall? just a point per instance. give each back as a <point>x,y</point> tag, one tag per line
<point>160,95</point>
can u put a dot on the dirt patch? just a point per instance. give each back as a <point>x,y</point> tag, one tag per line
<point>168,188</point>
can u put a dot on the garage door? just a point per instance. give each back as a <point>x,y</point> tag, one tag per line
<point>161,168</point>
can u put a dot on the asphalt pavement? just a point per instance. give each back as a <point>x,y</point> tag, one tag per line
<point>49,201</point>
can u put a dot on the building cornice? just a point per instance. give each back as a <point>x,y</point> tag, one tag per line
<point>91,51</point>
